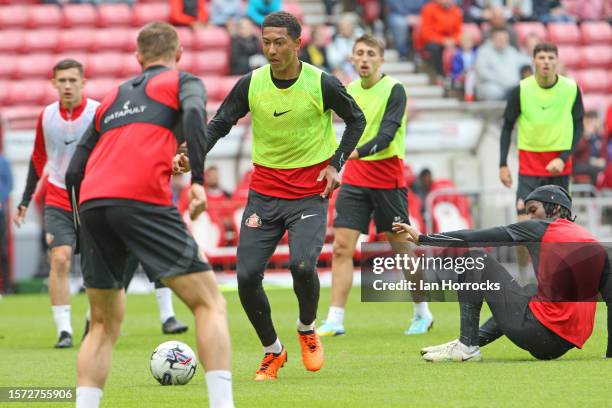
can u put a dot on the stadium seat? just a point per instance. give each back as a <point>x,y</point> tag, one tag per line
<point>596,56</point>
<point>213,87</point>
<point>563,33</point>
<point>473,29</point>
<point>115,39</point>
<point>12,41</point>
<point>596,102</point>
<point>227,83</point>
<point>145,13</point>
<point>210,62</point>
<point>27,92</point>
<point>77,15</point>
<point>41,40</point>
<point>131,39</point>
<point>13,16</point>
<point>211,38</point>
<point>79,39</point>
<point>49,93</point>
<point>594,32</point>
<point>523,29</point>
<point>114,15</point>
<point>295,9</point>
<point>34,66</point>
<point>4,91</point>
<point>45,15</point>
<point>8,64</point>
<point>371,11</point>
<point>569,56</point>
<point>79,56</point>
<point>97,88</point>
<point>105,64</point>
<point>131,66</point>
<point>186,62</point>
<point>592,80</point>
<point>185,37</point>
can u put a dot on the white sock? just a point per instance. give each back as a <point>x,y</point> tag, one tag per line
<point>422,309</point>
<point>219,384</point>
<point>164,301</point>
<point>88,397</point>
<point>335,315</point>
<point>468,349</point>
<point>275,347</point>
<point>61,315</point>
<point>305,327</point>
<point>88,315</point>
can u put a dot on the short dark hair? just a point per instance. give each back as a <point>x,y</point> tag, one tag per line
<point>157,40</point>
<point>67,64</point>
<point>371,41</point>
<point>286,20</point>
<point>591,114</point>
<point>545,47</point>
<point>499,30</point>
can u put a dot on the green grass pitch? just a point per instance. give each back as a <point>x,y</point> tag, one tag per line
<point>374,365</point>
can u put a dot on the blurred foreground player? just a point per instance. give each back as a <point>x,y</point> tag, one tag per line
<point>373,184</point>
<point>297,161</point>
<point>120,178</point>
<point>571,269</point>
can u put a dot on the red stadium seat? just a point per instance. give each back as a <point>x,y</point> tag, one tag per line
<point>114,15</point>
<point>563,33</point>
<point>213,87</point>
<point>115,39</point>
<point>97,88</point>
<point>598,32</point>
<point>523,30</point>
<point>211,38</point>
<point>211,63</point>
<point>78,15</point>
<point>227,84</point>
<point>79,56</point>
<point>12,41</point>
<point>50,94</point>
<point>8,64</point>
<point>34,66</point>
<point>596,56</point>
<point>593,80</point>
<point>295,9</point>
<point>145,13</point>
<point>45,15</point>
<point>41,40</point>
<point>105,64</point>
<point>28,92</point>
<point>185,37</point>
<point>79,39</point>
<point>569,56</point>
<point>131,66</point>
<point>473,29</point>
<point>13,16</point>
<point>131,39</point>
<point>186,62</point>
<point>4,92</point>
<point>596,102</point>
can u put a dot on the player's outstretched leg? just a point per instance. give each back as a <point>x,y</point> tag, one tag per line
<point>166,310</point>
<point>94,358</point>
<point>59,292</point>
<point>345,240</point>
<point>199,291</point>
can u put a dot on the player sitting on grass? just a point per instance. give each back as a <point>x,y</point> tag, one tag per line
<point>570,273</point>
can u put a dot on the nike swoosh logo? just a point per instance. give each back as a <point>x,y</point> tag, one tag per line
<point>67,142</point>
<point>277,114</point>
<point>308,216</point>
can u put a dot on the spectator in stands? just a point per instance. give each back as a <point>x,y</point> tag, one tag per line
<point>402,16</point>
<point>340,50</point>
<point>222,11</point>
<point>213,188</point>
<point>245,51</point>
<point>479,11</point>
<point>422,185</point>
<point>526,71</point>
<point>257,10</point>
<point>219,204</point>
<point>188,13</point>
<point>497,20</point>
<point>6,186</point>
<point>441,22</point>
<point>498,66</point>
<point>590,150</point>
<point>314,52</point>
<point>462,66</point>
<point>551,11</point>
<point>586,9</point>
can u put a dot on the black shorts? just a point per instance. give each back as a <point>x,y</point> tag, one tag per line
<point>59,227</point>
<point>526,184</point>
<point>355,207</point>
<point>155,235</point>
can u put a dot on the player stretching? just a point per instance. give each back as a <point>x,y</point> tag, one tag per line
<point>296,169</point>
<point>571,269</point>
<point>120,176</point>
<point>59,129</point>
<point>549,111</point>
<point>373,181</point>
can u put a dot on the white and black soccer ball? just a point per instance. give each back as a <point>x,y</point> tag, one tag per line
<point>173,363</point>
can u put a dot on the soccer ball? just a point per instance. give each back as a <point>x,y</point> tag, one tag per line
<point>173,363</point>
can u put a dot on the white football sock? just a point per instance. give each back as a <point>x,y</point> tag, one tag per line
<point>88,397</point>
<point>164,301</point>
<point>61,315</point>
<point>219,384</point>
<point>335,315</point>
<point>305,327</point>
<point>275,347</point>
<point>422,309</point>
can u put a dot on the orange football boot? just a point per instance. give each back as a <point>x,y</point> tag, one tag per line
<point>312,350</point>
<point>271,363</point>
